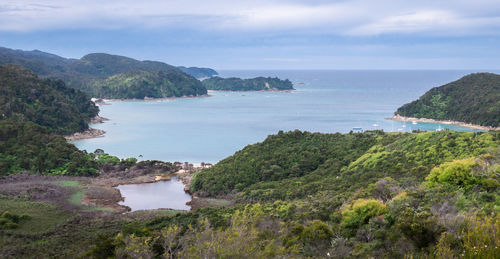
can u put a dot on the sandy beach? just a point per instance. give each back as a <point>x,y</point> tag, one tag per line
<point>449,122</point>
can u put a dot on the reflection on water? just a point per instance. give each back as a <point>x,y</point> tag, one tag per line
<point>163,194</point>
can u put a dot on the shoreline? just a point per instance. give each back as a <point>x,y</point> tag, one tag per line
<point>113,201</point>
<point>90,132</point>
<point>153,99</point>
<point>244,91</point>
<point>447,122</point>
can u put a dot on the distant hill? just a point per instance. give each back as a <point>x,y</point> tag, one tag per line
<point>26,97</point>
<point>474,99</point>
<point>42,63</point>
<point>254,84</point>
<point>198,72</point>
<point>90,71</point>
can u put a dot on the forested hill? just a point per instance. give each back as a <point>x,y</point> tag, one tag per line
<point>198,72</point>
<point>366,195</point>
<point>254,84</point>
<point>92,70</point>
<point>474,99</point>
<point>47,102</point>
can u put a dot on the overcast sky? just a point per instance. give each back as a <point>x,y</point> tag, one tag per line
<point>271,34</point>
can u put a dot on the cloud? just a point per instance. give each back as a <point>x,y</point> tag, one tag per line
<point>437,21</point>
<point>355,17</point>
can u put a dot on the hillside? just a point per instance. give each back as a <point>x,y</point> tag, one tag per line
<point>92,70</point>
<point>254,84</point>
<point>473,99</point>
<point>198,72</point>
<point>26,97</point>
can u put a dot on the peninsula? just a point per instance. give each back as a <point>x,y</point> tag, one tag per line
<point>471,101</point>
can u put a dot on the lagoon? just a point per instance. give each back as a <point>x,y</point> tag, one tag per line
<point>162,194</point>
<point>208,129</point>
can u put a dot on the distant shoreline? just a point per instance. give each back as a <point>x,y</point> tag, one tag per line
<point>244,91</point>
<point>448,122</point>
<point>151,99</point>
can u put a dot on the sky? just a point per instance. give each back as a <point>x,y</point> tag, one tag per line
<point>270,34</point>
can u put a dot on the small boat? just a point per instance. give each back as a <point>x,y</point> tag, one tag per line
<point>439,128</point>
<point>375,125</point>
<point>414,122</point>
<point>400,129</point>
<point>404,126</point>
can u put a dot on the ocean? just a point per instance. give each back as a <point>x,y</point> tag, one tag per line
<point>208,129</point>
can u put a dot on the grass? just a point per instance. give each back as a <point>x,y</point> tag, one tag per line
<point>69,183</point>
<point>76,198</point>
<point>44,216</point>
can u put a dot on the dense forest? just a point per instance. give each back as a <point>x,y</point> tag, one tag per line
<point>91,70</point>
<point>254,84</point>
<point>471,99</point>
<point>50,103</point>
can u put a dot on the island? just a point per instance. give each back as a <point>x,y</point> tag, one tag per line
<point>253,84</point>
<point>471,101</point>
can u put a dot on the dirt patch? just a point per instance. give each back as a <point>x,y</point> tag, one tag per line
<point>104,197</point>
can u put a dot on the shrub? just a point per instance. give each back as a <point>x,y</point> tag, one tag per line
<point>360,212</point>
<point>458,172</point>
<point>108,159</point>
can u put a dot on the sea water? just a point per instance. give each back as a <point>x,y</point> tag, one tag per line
<point>208,129</point>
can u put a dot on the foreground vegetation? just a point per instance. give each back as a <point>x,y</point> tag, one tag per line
<point>254,84</point>
<point>472,99</point>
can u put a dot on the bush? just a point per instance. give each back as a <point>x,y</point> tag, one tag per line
<point>360,212</point>
<point>11,221</point>
<point>420,227</point>
<point>108,159</point>
<point>458,172</point>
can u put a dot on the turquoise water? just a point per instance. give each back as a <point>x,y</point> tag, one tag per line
<point>211,128</point>
<point>163,194</point>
